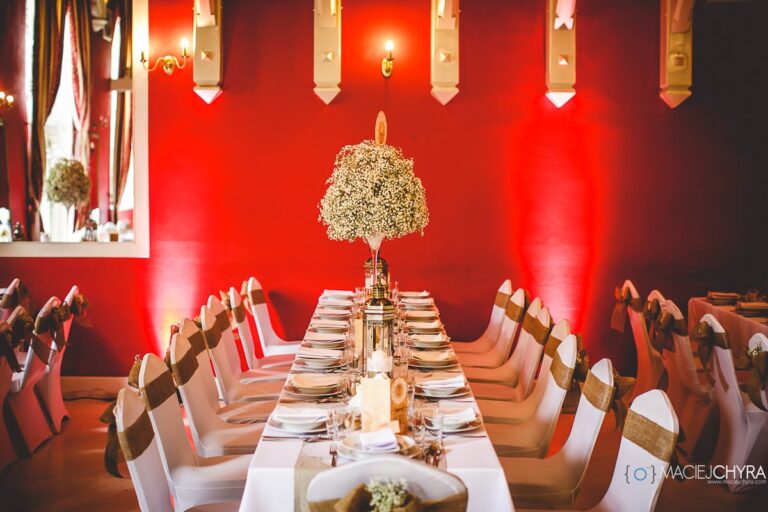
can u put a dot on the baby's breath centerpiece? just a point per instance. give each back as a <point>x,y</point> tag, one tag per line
<point>373,194</point>
<point>67,183</point>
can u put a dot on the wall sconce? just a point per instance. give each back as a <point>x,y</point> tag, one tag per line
<point>561,51</point>
<point>207,52</point>
<point>675,59</point>
<point>6,100</point>
<point>388,62</point>
<point>327,49</point>
<point>168,62</point>
<point>444,68</point>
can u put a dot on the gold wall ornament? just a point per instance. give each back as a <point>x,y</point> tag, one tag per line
<point>207,52</point>
<point>380,131</point>
<point>444,47</point>
<point>388,62</point>
<point>676,51</point>
<point>327,49</point>
<point>168,62</point>
<point>561,51</point>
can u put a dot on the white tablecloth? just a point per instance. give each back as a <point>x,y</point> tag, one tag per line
<point>270,481</point>
<point>739,328</point>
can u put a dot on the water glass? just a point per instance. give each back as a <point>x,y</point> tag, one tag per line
<point>332,424</point>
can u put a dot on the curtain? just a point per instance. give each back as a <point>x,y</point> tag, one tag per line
<point>46,73</point>
<point>124,113</point>
<point>80,25</point>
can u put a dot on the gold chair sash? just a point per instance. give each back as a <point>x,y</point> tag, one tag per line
<point>598,393</point>
<point>649,436</point>
<point>79,306</point>
<point>22,327</point>
<point>535,328</point>
<point>212,336</point>
<point>358,499</point>
<point>52,320</point>
<point>624,300</point>
<point>758,379</point>
<point>222,321</point>
<point>552,343</point>
<point>651,311</point>
<point>156,392</point>
<point>239,313</point>
<point>707,338</point>
<point>184,369</point>
<point>197,341</point>
<point>136,438</point>
<point>501,299</point>
<point>663,326</point>
<point>561,373</point>
<point>257,296</point>
<point>11,300</point>
<point>8,342</point>
<point>42,350</point>
<point>513,311</point>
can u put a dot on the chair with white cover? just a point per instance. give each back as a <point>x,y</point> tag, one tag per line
<point>220,342</point>
<point>743,437</point>
<point>532,437</point>
<point>691,395</point>
<point>16,294</point>
<point>192,480</point>
<point>271,343</point>
<point>647,444</point>
<point>500,403</point>
<point>555,481</point>
<point>234,412</point>
<point>49,385</point>
<point>491,334</point>
<point>22,400</point>
<point>211,434</point>
<point>500,352</point>
<point>267,364</point>
<point>424,482</point>
<point>8,366</point>
<point>650,366</point>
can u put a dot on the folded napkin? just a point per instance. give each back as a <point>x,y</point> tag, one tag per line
<point>321,322</point>
<point>378,440</point>
<point>430,337</point>
<point>414,295</point>
<point>331,301</point>
<point>323,336</point>
<point>723,295</point>
<point>442,380</point>
<point>332,312</point>
<point>417,300</point>
<point>338,293</point>
<point>753,306</point>
<point>457,415</point>
<point>420,313</point>
<point>434,324</point>
<point>309,381</point>
<point>432,356</point>
<point>318,353</point>
<point>286,414</point>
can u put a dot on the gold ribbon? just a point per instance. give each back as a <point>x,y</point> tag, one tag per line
<point>184,369</point>
<point>758,379</point>
<point>52,320</point>
<point>11,300</point>
<point>707,338</point>
<point>197,341</point>
<point>358,499</point>
<point>501,299</point>
<point>597,392</point>
<point>212,336</point>
<point>552,343</point>
<point>561,373</point>
<point>222,321</point>
<point>156,392</point>
<point>239,313</point>
<point>624,300</point>
<point>257,296</point>
<point>513,311</point>
<point>535,328</point>
<point>649,436</point>
<point>7,345</point>
<point>42,350</point>
<point>664,325</point>
<point>137,437</point>
<point>23,326</point>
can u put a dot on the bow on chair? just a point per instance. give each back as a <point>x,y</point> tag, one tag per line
<point>758,380</point>
<point>664,325</point>
<point>244,300</point>
<point>622,387</point>
<point>22,329</point>
<point>8,342</point>
<point>79,309</point>
<point>624,300</point>
<point>112,449</point>
<point>707,338</point>
<point>16,298</point>
<point>54,322</point>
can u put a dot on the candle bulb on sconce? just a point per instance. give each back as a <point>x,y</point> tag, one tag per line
<point>168,62</point>
<point>387,63</point>
<point>6,100</point>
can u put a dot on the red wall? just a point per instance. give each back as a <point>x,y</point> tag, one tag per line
<point>565,202</point>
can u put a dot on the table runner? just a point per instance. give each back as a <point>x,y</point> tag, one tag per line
<point>280,468</point>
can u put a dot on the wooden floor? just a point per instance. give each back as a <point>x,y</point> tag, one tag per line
<point>66,474</point>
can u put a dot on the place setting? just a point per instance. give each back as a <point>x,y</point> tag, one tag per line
<point>441,385</point>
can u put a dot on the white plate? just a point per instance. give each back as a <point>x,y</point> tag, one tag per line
<point>442,393</point>
<point>318,364</point>
<point>298,427</point>
<point>351,449</point>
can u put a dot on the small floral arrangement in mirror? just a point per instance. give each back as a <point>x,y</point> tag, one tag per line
<point>67,183</point>
<point>387,493</point>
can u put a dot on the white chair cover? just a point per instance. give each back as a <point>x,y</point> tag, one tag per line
<point>193,481</point>
<point>494,398</point>
<point>22,400</point>
<point>650,366</point>
<point>231,412</point>
<point>49,386</point>
<point>491,334</point>
<point>743,437</point>
<point>500,352</point>
<point>556,480</point>
<point>7,451</point>
<point>425,482</point>
<point>227,376</point>
<point>271,343</point>
<point>11,298</point>
<point>249,348</point>
<point>211,434</point>
<point>688,390</point>
<point>531,438</point>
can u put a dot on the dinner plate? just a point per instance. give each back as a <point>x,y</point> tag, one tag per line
<point>297,427</point>
<point>465,426</point>
<point>331,345</point>
<point>327,328</point>
<point>318,364</point>
<point>351,448</point>
<point>429,345</point>
<point>422,367</point>
<point>442,393</point>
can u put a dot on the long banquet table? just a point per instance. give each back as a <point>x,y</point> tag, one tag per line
<point>739,328</point>
<point>271,475</point>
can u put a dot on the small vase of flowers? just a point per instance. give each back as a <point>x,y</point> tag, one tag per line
<point>68,185</point>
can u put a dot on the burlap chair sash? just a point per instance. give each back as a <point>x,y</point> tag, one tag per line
<point>514,312</point>
<point>649,436</point>
<point>257,296</point>
<point>501,299</point>
<point>598,393</point>
<point>197,341</point>
<point>535,328</point>
<point>7,345</point>
<point>42,350</point>
<point>185,368</point>
<point>10,300</point>
<point>136,438</point>
<point>664,325</point>
<point>156,392</point>
<point>561,373</point>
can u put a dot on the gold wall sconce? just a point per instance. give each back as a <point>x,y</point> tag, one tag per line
<point>6,100</point>
<point>168,62</point>
<point>388,62</point>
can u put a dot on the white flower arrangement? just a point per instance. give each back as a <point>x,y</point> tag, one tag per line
<point>387,494</point>
<point>67,183</point>
<point>373,193</point>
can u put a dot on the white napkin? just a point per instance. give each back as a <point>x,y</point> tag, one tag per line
<point>285,414</point>
<point>322,322</point>
<point>458,415</point>
<point>331,312</point>
<point>434,324</point>
<point>430,337</point>
<point>323,336</point>
<point>420,313</point>
<point>345,294</point>
<point>378,440</point>
<point>318,353</point>
<point>442,380</point>
<point>413,295</point>
<point>330,301</point>
<point>433,356</point>
<point>418,300</point>
<point>309,381</point>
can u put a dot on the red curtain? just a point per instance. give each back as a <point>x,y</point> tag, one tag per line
<point>124,113</point>
<point>80,27</point>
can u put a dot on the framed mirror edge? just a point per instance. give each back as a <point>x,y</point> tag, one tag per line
<point>139,248</point>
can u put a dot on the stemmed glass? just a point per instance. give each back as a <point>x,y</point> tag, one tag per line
<point>433,420</point>
<point>332,422</point>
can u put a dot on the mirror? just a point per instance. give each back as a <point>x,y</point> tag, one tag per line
<point>86,143</point>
